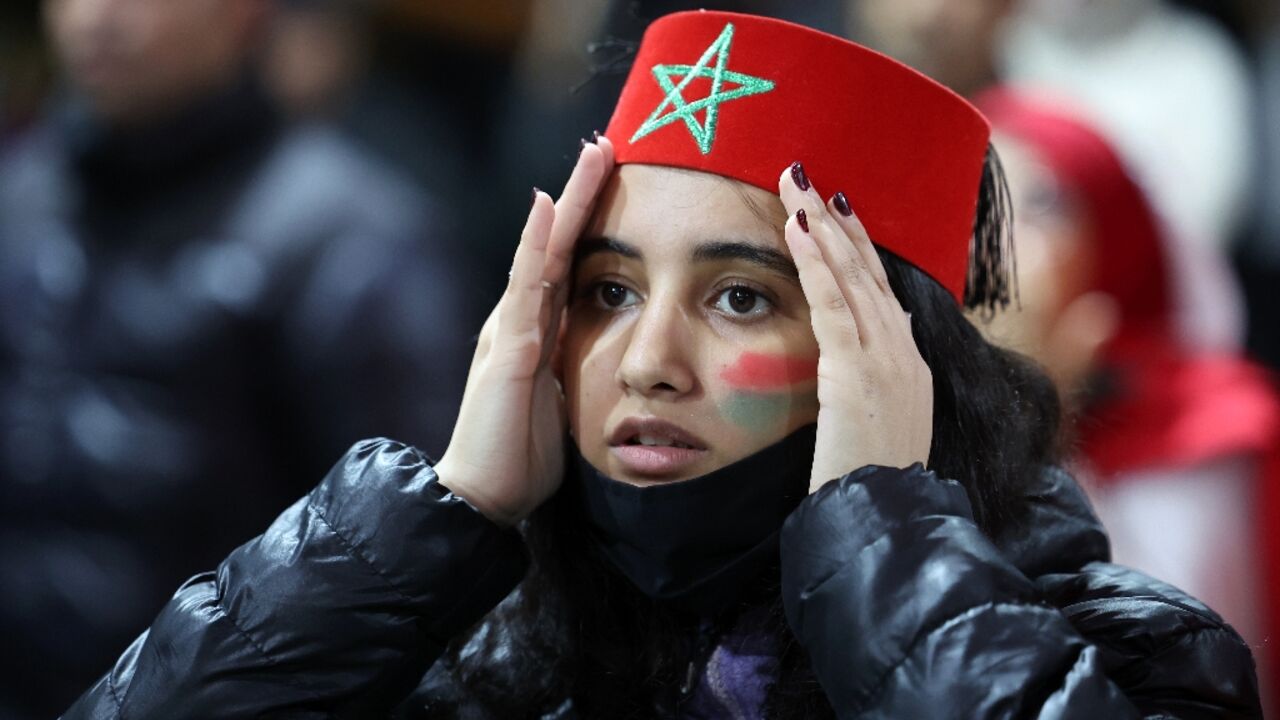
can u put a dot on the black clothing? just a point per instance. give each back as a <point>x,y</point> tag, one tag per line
<point>696,544</point>
<point>190,315</point>
<point>904,608</point>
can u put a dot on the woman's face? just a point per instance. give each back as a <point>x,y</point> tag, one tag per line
<point>688,344</point>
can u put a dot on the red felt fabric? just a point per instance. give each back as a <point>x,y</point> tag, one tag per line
<point>1172,409</point>
<point>906,151</point>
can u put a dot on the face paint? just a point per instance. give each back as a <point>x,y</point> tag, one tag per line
<point>764,390</point>
<point>758,372</point>
<point>757,413</point>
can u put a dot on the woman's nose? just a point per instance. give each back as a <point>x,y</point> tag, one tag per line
<point>657,358</point>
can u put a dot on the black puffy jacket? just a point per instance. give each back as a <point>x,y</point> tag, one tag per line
<point>905,608</point>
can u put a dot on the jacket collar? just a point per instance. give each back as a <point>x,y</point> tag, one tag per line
<point>1059,532</point>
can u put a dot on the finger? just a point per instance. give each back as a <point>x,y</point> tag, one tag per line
<point>485,340</point>
<point>578,203</point>
<point>850,271</point>
<point>834,325</point>
<point>896,320</point>
<point>521,306</point>
<point>606,147</point>
<point>574,208</point>
<point>842,212</point>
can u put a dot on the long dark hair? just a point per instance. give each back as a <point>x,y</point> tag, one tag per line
<point>575,629</point>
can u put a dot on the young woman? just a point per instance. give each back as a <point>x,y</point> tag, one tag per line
<point>732,459</point>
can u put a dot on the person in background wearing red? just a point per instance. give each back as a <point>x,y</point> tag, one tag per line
<point>1177,446</point>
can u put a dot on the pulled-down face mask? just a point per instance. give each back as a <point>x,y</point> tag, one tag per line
<point>696,543</point>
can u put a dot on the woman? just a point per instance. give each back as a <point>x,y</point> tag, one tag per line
<point>741,523</point>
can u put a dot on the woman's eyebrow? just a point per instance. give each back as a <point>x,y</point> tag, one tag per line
<point>768,258</point>
<point>592,245</point>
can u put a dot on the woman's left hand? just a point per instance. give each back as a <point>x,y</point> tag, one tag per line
<point>875,392</point>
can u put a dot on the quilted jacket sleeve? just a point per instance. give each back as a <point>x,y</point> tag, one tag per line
<point>908,611</point>
<point>335,611</point>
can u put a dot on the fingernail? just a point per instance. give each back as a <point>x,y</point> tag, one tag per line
<point>595,136</point>
<point>534,198</point>
<point>582,145</point>
<point>802,219</point>
<point>797,175</point>
<point>842,204</point>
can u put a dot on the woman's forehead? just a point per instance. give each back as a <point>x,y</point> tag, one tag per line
<point>674,208</point>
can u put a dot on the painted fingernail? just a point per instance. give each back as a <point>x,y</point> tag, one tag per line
<point>802,219</point>
<point>842,204</point>
<point>797,175</point>
<point>582,145</point>
<point>534,196</point>
<point>595,136</point>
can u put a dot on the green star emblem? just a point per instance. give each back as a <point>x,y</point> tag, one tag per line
<point>703,133</point>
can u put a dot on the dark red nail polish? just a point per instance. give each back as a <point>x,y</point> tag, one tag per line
<point>797,175</point>
<point>534,198</point>
<point>802,219</point>
<point>842,204</point>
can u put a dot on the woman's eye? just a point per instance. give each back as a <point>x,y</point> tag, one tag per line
<point>613,295</point>
<point>741,300</point>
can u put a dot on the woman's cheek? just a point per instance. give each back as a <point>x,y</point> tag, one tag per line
<point>765,394</point>
<point>582,385</point>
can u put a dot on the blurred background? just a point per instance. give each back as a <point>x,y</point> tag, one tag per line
<point>238,235</point>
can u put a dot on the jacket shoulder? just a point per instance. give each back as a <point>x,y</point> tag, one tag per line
<point>1168,651</point>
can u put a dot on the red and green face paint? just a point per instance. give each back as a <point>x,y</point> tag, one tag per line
<point>765,388</point>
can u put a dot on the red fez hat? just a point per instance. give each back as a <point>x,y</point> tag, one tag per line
<point>744,96</point>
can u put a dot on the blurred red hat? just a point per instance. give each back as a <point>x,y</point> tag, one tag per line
<point>1132,266</point>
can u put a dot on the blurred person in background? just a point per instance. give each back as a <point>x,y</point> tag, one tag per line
<point>316,54</point>
<point>1172,92</point>
<point>199,306</point>
<point>420,85</point>
<point>1173,442</point>
<point>24,67</point>
<point>1167,85</point>
<point>955,42</point>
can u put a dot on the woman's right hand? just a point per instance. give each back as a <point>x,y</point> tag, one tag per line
<point>506,455</point>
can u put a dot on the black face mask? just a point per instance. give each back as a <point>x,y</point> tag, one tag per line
<point>697,543</point>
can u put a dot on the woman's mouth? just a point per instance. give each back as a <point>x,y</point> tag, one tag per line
<point>654,448</point>
<point>657,441</point>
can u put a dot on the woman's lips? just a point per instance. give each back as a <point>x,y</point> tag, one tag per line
<point>655,460</point>
<point>652,447</point>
